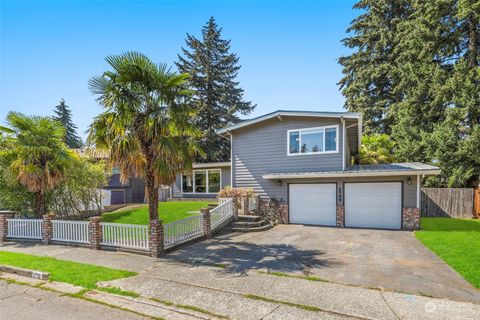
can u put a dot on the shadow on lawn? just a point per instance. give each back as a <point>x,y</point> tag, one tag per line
<point>238,257</point>
<point>450,224</point>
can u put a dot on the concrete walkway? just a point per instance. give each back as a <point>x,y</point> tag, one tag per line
<point>25,303</point>
<point>231,294</point>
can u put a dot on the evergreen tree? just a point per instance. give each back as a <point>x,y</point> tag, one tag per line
<point>217,97</point>
<point>430,79</point>
<point>438,62</point>
<point>369,78</point>
<point>63,114</point>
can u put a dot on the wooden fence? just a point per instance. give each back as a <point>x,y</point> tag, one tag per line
<point>476,210</point>
<point>447,202</point>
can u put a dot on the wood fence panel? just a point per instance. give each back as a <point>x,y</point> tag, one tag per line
<point>476,210</point>
<point>447,202</point>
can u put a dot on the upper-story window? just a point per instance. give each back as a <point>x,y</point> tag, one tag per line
<point>313,140</point>
<point>202,181</point>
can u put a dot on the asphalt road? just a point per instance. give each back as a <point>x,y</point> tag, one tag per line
<point>19,302</point>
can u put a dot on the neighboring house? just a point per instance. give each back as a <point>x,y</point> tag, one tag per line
<point>115,192</point>
<point>133,191</point>
<point>303,160</point>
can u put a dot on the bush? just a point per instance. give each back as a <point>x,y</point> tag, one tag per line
<point>236,194</point>
<point>80,190</point>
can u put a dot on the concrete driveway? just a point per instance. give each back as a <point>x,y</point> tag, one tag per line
<point>392,260</point>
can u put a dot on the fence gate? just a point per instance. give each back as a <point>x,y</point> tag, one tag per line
<point>447,202</point>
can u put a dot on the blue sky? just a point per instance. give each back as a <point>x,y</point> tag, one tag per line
<point>288,49</point>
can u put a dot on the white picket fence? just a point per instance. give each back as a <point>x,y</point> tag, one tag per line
<point>183,230</point>
<point>70,231</point>
<point>24,228</point>
<point>124,235</point>
<point>221,214</point>
<point>223,200</point>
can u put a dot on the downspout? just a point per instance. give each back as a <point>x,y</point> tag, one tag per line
<point>418,190</point>
<point>343,142</point>
<point>231,159</point>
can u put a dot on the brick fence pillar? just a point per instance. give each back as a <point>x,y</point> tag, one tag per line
<point>340,216</point>
<point>244,205</point>
<point>4,226</point>
<point>95,233</point>
<point>155,238</point>
<point>47,229</point>
<point>207,222</point>
<point>411,219</point>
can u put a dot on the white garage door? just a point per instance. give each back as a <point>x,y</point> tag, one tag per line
<point>313,203</point>
<point>373,205</point>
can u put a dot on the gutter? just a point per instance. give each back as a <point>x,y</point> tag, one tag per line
<point>352,174</point>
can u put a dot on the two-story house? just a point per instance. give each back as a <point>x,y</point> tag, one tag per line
<point>303,159</point>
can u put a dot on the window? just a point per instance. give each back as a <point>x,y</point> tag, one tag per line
<point>312,140</point>
<point>213,181</point>
<point>187,183</point>
<point>202,181</point>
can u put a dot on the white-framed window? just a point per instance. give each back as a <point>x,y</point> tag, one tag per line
<point>317,140</point>
<point>202,181</point>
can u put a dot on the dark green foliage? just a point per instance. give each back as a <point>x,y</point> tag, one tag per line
<point>218,97</point>
<point>415,73</point>
<point>368,82</point>
<point>63,114</point>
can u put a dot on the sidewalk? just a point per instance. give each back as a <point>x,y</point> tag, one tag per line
<point>232,294</point>
<point>25,303</point>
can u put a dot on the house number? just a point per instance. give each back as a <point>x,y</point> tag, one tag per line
<point>339,194</point>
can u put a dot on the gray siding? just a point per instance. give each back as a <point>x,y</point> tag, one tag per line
<point>262,148</point>
<point>177,186</point>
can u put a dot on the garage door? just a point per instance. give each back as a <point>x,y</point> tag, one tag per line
<point>373,205</point>
<point>313,203</point>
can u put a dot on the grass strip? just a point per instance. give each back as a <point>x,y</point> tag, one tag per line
<point>283,274</point>
<point>189,307</point>
<point>291,304</point>
<point>79,274</point>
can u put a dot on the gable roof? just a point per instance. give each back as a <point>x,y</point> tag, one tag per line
<point>291,113</point>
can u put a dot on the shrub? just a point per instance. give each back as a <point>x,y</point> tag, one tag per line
<point>236,194</point>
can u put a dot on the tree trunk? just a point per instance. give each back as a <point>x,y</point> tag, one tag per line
<point>152,193</point>
<point>39,204</point>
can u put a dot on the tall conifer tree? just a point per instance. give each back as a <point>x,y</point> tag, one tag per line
<point>63,114</point>
<point>369,79</point>
<point>426,90</point>
<point>218,97</point>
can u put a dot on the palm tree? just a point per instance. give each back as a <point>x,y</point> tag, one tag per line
<point>36,155</point>
<point>146,126</point>
<point>376,149</point>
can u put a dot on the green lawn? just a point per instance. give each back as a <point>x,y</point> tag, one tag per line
<point>168,212</point>
<point>457,242</point>
<point>78,274</point>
